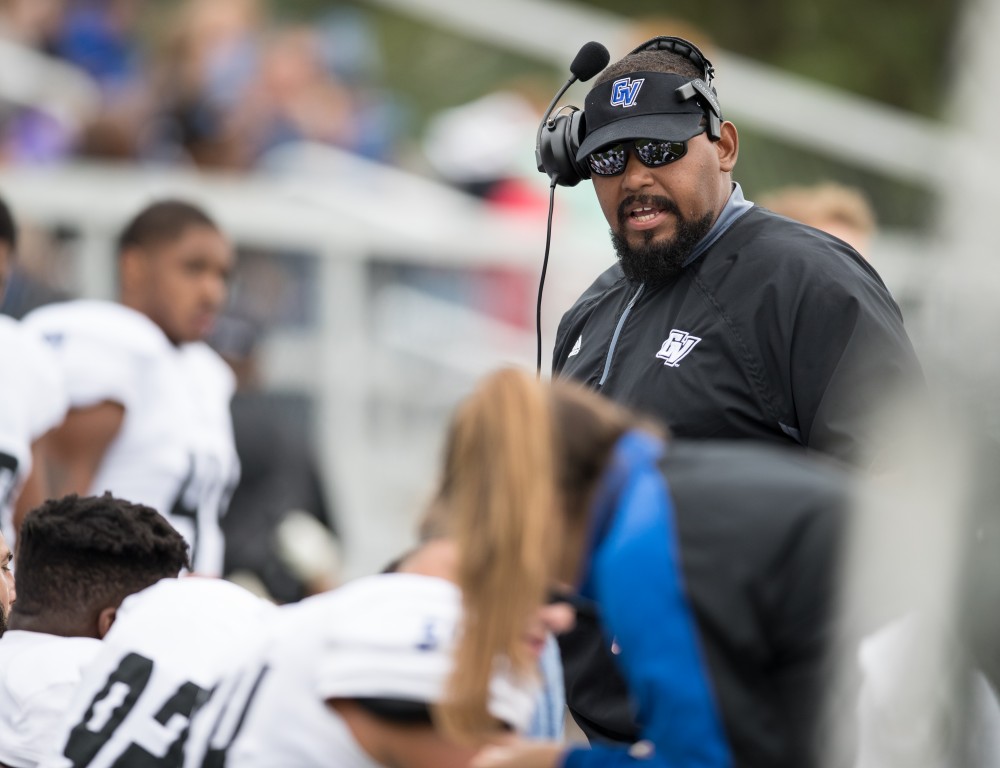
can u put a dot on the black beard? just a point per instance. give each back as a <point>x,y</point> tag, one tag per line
<point>658,262</point>
<point>3,621</point>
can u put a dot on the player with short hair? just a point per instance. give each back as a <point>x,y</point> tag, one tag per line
<point>149,417</point>
<point>78,558</point>
<point>32,401</point>
<point>163,664</point>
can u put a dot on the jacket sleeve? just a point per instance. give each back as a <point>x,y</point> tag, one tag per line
<point>635,576</point>
<point>850,359</point>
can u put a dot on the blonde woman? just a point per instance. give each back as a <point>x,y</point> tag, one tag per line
<point>711,566</point>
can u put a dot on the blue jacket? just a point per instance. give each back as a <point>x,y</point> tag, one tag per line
<point>634,575</point>
<point>755,532</point>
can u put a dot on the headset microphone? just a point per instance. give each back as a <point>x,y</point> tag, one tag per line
<point>589,60</point>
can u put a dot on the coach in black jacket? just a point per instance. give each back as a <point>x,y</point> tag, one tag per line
<point>721,318</point>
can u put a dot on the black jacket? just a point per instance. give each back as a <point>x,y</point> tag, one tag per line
<point>778,332</point>
<point>759,530</point>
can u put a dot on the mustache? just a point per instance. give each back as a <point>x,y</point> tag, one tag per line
<point>655,201</point>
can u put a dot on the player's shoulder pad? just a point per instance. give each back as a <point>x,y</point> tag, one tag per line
<point>104,323</point>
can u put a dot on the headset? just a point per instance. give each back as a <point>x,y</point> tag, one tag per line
<point>560,135</point>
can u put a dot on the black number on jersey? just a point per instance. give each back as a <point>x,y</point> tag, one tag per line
<point>108,709</point>
<point>113,704</point>
<point>181,508</point>
<point>238,696</point>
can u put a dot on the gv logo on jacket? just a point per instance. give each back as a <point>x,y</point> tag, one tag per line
<point>676,347</point>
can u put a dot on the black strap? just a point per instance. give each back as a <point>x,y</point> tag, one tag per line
<point>681,47</point>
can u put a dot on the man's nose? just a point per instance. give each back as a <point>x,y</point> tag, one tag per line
<point>636,174</point>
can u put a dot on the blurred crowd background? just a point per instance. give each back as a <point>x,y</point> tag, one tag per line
<point>374,163</point>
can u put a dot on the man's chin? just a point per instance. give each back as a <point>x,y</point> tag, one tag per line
<point>656,256</point>
<point>647,238</point>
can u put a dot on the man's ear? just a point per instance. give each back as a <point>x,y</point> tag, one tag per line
<point>104,621</point>
<point>728,147</point>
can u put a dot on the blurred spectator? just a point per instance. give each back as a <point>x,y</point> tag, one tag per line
<point>480,145</point>
<point>839,210</point>
<point>479,148</point>
<point>234,87</point>
<point>225,87</point>
<point>207,65</point>
<point>281,536</point>
<point>351,53</point>
<point>31,22</point>
<point>101,38</point>
<point>44,102</point>
<point>293,97</point>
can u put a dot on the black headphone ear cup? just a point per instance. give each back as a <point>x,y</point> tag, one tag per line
<point>560,141</point>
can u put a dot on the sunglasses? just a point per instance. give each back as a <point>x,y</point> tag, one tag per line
<point>651,153</point>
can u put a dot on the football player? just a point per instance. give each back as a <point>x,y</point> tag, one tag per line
<point>352,676</point>
<point>77,559</point>
<point>165,662</point>
<point>149,400</point>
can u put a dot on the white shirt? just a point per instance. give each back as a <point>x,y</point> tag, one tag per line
<point>163,661</point>
<point>32,401</point>
<point>175,450</point>
<point>386,636</point>
<point>39,673</point>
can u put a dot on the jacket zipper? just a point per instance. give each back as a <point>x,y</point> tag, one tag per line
<point>618,330</point>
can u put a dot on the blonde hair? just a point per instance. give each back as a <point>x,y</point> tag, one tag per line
<point>521,460</point>
<point>499,491</point>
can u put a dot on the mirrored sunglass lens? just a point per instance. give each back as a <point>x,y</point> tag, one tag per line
<point>607,162</point>
<point>659,152</point>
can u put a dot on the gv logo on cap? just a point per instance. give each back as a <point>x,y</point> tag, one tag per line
<point>625,91</point>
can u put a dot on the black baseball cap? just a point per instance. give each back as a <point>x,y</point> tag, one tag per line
<point>641,105</point>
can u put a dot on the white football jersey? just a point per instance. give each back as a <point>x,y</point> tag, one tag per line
<point>388,636</point>
<point>164,659</point>
<point>175,451</point>
<point>32,401</point>
<point>39,673</point>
